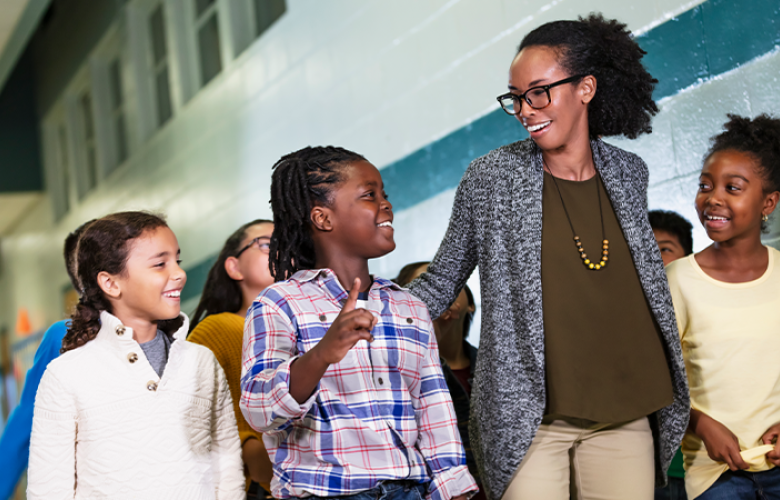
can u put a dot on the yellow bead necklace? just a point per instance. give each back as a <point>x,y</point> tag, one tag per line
<point>596,266</point>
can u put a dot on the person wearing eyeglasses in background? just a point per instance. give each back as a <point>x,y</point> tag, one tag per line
<point>580,366</point>
<point>238,276</point>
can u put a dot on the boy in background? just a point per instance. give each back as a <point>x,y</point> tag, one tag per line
<point>673,233</point>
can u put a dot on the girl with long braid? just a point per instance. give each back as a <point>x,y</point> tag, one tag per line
<point>131,409</point>
<point>341,369</point>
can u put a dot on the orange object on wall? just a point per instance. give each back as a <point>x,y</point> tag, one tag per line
<point>23,327</point>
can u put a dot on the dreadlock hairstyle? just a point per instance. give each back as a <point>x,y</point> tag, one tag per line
<point>759,138</point>
<point>300,181</point>
<point>69,253</point>
<point>221,293</point>
<point>104,245</point>
<point>604,48</point>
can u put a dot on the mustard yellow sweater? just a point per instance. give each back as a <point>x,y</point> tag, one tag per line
<point>224,334</point>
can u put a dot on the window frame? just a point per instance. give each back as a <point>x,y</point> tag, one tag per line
<point>57,134</point>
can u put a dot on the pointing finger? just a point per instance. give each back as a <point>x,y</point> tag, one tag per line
<point>353,297</point>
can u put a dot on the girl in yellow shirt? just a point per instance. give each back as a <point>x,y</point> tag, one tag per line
<point>238,276</point>
<point>727,301</point>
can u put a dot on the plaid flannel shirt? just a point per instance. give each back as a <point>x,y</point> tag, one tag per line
<point>382,413</point>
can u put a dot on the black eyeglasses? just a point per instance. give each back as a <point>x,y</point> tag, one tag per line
<point>536,97</point>
<point>263,243</point>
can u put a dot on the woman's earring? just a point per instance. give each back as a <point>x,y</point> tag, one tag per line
<point>764,217</point>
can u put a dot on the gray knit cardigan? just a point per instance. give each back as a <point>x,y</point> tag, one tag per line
<point>496,224</point>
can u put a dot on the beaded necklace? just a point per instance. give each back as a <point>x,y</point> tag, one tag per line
<point>596,266</point>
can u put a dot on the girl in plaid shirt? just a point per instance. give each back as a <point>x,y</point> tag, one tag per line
<point>345,384</point>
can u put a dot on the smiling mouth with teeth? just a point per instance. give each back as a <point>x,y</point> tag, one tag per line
<point>174,294</point>
<point>538,126</point>
<point>385,224</point>
<point>716,217</point>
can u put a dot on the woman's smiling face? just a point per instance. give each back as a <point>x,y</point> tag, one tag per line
<point>731,199</point>
<point>565,119</point>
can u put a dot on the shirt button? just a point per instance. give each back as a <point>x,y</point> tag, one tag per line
<point>381,382</point>
<point>323,317</point>
<point>132,357</point>
<point>409,320</point>
<point>120,330</point>
<point>151,385</point>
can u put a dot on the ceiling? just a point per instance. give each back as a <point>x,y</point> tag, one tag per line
<point>18,20</point>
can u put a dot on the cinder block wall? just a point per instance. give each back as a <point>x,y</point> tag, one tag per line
<point>412,86</point>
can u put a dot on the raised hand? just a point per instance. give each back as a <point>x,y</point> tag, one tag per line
<point>350,326</point>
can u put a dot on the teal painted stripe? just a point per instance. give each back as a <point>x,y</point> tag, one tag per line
<point>196,278</point>
<point>440,165</point>
<point>708,40</point>
<point>712,38</point>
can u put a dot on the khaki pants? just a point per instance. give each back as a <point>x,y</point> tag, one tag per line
<point>583,460</point>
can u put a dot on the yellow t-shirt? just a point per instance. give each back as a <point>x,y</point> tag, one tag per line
<point>730,335</point>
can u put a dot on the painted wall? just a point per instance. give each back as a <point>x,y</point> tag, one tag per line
<point>412,86</point>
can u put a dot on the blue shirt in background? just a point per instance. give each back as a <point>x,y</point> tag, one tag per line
<point>15,442</point>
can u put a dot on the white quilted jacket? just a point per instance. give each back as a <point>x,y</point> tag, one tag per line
<point>107,427</point>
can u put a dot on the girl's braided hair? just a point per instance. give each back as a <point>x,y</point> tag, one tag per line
<point>221,293</point>
<point>300,181</point>
<point>104,245</point>
<point>604,48</point>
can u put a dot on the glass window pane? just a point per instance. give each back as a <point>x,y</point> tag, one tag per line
<point>202,5</point>
<point>157,31</point>
<point>266,13</point>
<point>208,43</point>
<point>164,108</point>
<point>85,105</point>
<point>121,138</point>
<point>91,166</point>
<point>63,164</point>
<point>115,84</point>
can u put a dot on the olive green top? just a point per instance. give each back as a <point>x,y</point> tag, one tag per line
<point>605,359</point>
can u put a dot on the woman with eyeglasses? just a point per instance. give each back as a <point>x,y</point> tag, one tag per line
<point>580,387</point>
<point>240,273</point>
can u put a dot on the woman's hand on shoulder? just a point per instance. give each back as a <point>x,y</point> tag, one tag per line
<point>722,445</point>
<point>771,437</point>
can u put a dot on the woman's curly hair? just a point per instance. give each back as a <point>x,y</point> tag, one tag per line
<point>605,49</point>
<point>104,245</point>
<point>759,138</point>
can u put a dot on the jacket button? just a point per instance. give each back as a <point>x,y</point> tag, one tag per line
<point>120,330</point>
<point>132,357</point>
<point>151,385</point>
<point>409,320</point>
<point>323,317</point>
<point>381,382</point>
